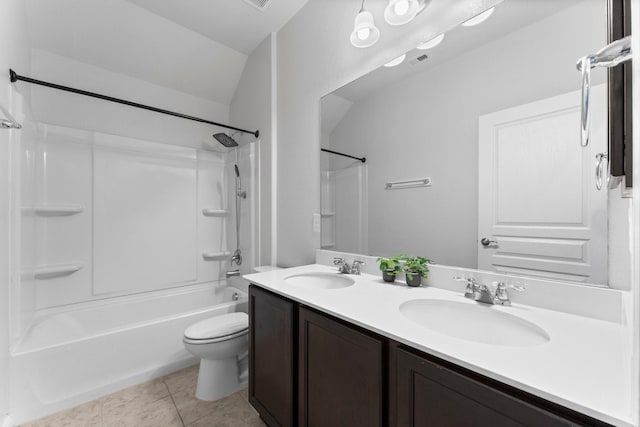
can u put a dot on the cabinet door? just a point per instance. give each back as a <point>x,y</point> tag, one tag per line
<point>271,357</point>
<point>340,374</point>
<point>429,394</point>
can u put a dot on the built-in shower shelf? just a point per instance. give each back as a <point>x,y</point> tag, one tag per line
<point>327,214</point>
<point>214,212</point>
<point>53,271</point>
<point>55,210</point>
<point>327,245</point>
<point>211,256</point>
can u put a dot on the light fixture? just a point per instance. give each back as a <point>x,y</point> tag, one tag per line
<point>430,44</point>
<point>365,33</point>
<point>478,19</point>
<point>396,61</point>
<point>400,12</point>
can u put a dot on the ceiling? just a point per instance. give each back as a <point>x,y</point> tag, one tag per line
<point>509,16</point>
<point>199,47</point>
<point>233,23</point>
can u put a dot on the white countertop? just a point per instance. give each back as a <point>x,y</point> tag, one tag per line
<point>583,367</point>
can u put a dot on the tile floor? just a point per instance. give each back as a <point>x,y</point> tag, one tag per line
<point>164,402</point>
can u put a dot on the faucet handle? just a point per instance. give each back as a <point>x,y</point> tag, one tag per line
<point>518,288</point>
<point>502,296</point>
<point>338,261</point>
<point>471,282</point>
<point>502,286</point>
<point>355,266</point>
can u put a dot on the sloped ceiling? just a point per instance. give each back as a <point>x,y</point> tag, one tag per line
<point>231,22</point>
<point>121,36</point>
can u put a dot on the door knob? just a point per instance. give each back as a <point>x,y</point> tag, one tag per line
<point>486,242</point>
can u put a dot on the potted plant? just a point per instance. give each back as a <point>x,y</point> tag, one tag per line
<point>391,267</point>
<point>416,269</point>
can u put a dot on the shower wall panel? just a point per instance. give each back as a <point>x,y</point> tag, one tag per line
<point>63,238</point>
<point>145,220</point>
<point>105,215</point>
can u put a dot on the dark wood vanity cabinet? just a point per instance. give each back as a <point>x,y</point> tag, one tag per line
<point>429,394</point>
<point>340,374</point>
<point>272,361</point>
<point>310,369</point>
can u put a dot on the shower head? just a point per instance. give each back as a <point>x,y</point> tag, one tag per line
<point>225,140</point>
<point>237,170</point>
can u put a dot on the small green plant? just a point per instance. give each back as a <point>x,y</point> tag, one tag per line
<point>416,266</point>
<point>392,265</point>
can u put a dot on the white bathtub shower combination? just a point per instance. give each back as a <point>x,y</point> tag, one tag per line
<point>71,356</point>
<point>120,246</point>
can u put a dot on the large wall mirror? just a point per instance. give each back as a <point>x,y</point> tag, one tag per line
<point>473,154</point>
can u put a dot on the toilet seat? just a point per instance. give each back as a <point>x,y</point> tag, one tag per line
<point>214,340</point>
<point>217,328</point>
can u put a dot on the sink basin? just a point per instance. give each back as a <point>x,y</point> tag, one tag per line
<point>320,280</point>
<point>474,322</point>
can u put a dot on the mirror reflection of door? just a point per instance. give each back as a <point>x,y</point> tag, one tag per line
<point>538,203</point>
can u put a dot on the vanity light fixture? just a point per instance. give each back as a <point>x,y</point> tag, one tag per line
<point>400,12</point>
<point>430,44</point>
<point>365,33</point>
<point>478,19</point>
<point>396,61</point>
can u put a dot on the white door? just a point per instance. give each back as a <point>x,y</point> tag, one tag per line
<point>537,195</point>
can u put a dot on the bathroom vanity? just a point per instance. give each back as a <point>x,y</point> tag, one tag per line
<point>345,352</point>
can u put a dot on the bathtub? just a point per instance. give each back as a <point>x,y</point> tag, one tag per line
<point>72,355</point>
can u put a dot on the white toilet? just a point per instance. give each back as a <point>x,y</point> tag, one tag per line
<point>221,343</point>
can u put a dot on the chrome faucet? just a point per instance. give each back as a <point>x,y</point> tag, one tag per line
<point>236,257</point>
<point>482,293</point>
<point>232,273</point>
<point>355,266</point>
<point>344,268</point>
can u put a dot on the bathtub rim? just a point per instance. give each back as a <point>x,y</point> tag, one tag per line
<point>16,349</point>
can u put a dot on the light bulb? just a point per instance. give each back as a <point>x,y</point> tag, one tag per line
<point>401,7</point>
<point>364,33</point>
<point>400,12</point>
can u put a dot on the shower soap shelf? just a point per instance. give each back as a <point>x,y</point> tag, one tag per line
<point>55,210</point>
<point>53,271</point>
<point>214,212</point>
<point>210,256</point>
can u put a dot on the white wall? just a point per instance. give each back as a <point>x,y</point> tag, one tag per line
<point>427,125</point>
<point>14,53</point>
<point>315,58</point>
<point>81,112</point>
<point>251,109</point>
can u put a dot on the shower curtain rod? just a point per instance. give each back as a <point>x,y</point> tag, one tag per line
<point>362,159</point>
<point>16,77</point>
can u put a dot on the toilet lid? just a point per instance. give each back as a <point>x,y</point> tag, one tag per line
<point>218,326</point>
